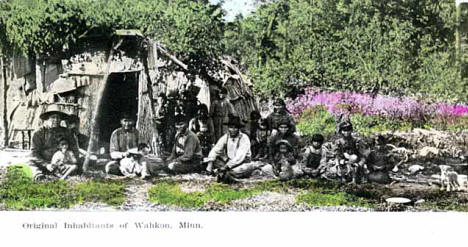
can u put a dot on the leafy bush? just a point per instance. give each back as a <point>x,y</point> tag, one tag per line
<point>316,120</point>
<point>367,125</point>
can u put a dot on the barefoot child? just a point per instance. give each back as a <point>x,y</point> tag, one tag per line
<point>63,162</point>
<point>134,164</point>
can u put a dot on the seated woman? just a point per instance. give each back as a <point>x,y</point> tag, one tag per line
<point>286,132</point>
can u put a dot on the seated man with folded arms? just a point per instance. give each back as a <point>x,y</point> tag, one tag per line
<point>186,154</point>
<point>230,157</point>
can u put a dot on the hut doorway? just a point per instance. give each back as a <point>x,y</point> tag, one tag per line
<point>120,97</point>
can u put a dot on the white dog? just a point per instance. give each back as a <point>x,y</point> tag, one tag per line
<point>451,180</point>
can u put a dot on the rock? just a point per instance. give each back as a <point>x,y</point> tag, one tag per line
<point>379,177</point>
<point>420,201</point>
<point>398,200</point>
<point>428,152</point>
<point>415,168</point>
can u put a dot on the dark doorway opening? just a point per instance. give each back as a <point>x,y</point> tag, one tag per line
<point>120,97</point>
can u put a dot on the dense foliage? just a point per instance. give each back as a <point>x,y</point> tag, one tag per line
<point>385,46</point>
<point>192,29</point>
<point>381,45</point>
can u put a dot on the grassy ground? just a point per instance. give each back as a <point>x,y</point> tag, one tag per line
<point>311,192</point>
<point>170,193</point>
<point>19,192</point>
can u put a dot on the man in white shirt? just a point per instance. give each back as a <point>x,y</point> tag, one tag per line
<point>230,157</point>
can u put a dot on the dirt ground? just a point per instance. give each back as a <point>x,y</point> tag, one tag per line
<point>422,188</point>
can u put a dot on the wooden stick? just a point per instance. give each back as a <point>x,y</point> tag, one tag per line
<point>173,58</point>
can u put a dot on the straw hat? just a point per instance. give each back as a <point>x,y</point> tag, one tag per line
<point>53,109</point>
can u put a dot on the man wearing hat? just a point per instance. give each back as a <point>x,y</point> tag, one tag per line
<point>230,157</point>
<point>186,154</point>
<point>122,139</point>
<point>220,109</point>
<point>280,114</point>
<point>45,140</point>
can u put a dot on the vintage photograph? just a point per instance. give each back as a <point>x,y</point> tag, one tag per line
<point>245,106</point>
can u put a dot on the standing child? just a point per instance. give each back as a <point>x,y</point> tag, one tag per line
<point>63,161</point>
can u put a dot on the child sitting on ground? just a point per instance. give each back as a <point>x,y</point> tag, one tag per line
<point>283,160</point>
<point>314,158</point>
<point>135,164</point>
<point>63,162</point>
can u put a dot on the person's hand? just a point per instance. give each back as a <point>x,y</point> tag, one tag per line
<point>124,155</point>
<point>50,167</point>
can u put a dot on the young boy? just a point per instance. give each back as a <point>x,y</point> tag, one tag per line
<point>63,161</point>
<point>134,164</point>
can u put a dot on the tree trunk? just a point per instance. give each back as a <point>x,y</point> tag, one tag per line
<point>40,74</point>
<point>4,101</point>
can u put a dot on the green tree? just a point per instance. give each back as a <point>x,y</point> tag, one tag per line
<point>192,29</point>
<point>348,44</point>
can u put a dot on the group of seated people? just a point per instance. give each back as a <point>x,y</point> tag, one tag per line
<point>263,147</point>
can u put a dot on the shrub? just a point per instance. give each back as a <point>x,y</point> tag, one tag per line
<point>367,125</point>
<point>316,120</point>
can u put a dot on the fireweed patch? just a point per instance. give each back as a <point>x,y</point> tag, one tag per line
<point>372,113</point>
